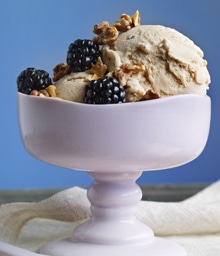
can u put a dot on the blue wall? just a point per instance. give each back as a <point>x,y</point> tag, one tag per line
<point>37,33</point>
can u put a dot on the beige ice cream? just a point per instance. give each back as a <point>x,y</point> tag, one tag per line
<point>72,87</point>
<point>154,61</point>
<point>150,61</point>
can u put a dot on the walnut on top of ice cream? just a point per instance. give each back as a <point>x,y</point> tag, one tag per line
<point>109,33</point>
<point>60,70</point>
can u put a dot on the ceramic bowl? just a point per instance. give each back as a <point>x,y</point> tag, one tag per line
<point>148,135</point>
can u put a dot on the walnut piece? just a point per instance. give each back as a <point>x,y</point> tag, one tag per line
<point>60,71</point>
<point>136,19</point>
<point>50,91</point>
<point>127,22</point>
<point>150,95</point>
<point>132,68</point>
<point>99,28</point>
<point>127,69</point>
<point>34,93</point>
<point>42,93</point>
<point>109,33</point>
<point>124,23</point>
<point>99,69</point>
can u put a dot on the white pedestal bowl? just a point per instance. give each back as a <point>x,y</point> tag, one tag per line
<point>115,144</point>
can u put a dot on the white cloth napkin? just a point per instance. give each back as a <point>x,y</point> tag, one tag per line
<point>193,223</point>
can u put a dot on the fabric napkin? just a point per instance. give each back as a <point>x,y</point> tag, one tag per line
<point>194,223</point>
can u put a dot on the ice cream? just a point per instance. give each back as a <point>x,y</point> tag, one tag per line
<point>72,87</point>
<point>153,61</point>
<point>148,61</point>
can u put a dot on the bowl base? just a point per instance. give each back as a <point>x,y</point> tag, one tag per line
<point>156,247</point>
<point>113,228</point>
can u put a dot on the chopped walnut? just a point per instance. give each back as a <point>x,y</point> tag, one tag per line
<point>127,22</point>
<point>42,93</point>
<point>50,91</point>
<point>132,68</point>
<point>94,77</point>
<point>108,35</point>
<point>150,95</point>
<point>60,71</point>
<point>127,69</point>
<point>124,23</point>
<point>99,69</point>
<point>136,20</point>
<point>98,28</point>
<point>34,93</point>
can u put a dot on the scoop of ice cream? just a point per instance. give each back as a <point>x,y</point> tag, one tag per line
<point>154,61</point>
<point>72,87</point>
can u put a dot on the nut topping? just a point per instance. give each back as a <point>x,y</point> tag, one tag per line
<point>99,69</point>
<point>60,71</point>
<point>124,23</point>
<point>99,28</point>
<point>136,20</point>
<point>150,95</point>
<point>42,93</point>
<point>109,33</point>
<point>50,91</point>
<point>132,68</point>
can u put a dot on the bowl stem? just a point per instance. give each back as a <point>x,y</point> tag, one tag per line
<point>114,198</point>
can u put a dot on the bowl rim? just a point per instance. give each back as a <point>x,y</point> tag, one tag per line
<point>127,104</point>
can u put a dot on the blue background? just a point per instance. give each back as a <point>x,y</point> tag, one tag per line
<point>37,33</point>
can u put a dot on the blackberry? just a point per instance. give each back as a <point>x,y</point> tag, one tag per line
<point>105,90</point>
<point>33,79</point>
<point>82,54</point>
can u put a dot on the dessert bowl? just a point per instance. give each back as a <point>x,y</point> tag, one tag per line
<point>148,135</point>
<point>115,143</point>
